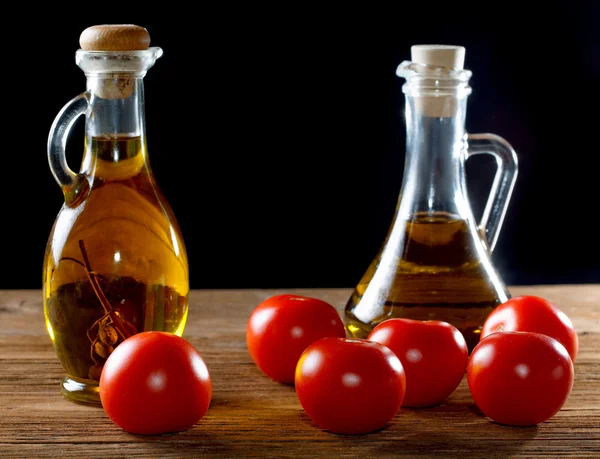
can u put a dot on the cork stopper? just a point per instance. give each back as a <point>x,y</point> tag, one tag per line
<point>446,56</point>
<point>439,55</point>
<point>115,37</point>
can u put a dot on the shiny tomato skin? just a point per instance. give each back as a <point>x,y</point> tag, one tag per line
<point>520,378</point>
<point>533,314</point>
<point>154,383</point>
<point>350,386</point>
<point>434,355</point>
<point>281,327</point>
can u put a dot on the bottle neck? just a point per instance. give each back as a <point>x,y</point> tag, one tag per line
<point>434,179</point>
<point>115,127</point>
<point>117,105</point>
<point>115,131</point>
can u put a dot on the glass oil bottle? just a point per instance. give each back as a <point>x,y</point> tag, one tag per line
<point>435,262</point>
<point>115,263</point>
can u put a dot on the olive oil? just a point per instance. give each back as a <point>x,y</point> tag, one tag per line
<point>84,334</point>
<point>435,262</point>
<point>434,273</point>
<point>115,263</point>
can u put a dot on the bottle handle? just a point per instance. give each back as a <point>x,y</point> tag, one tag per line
<point>502,187</point>
<point>74,186</point>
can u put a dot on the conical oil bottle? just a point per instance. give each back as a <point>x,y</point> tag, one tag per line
<point>115,261</point>
<point>435,262</point>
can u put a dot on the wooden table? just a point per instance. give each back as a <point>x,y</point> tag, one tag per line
<point>252,416</point>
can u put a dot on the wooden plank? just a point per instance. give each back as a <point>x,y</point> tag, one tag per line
<point>252,416</point>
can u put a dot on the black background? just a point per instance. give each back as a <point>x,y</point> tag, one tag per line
<point>277,134</point>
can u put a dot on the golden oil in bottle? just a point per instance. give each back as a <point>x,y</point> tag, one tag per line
<point>434,272</point>
<point>115,263</point>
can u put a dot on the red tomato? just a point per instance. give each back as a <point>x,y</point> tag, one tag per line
<point>533,314</point>
<point>154,383</point>
<point>434,355</point>
<point>520,378</point>
<point>281,327</point>
<point>350,386</point>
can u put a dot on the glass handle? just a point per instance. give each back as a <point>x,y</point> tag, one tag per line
<point>504,181</point>
<point>71,183</point>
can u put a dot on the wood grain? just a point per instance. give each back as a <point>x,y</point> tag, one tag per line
<point>252,416</point>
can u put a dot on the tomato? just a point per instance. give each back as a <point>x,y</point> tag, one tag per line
<point>154,383</point>
<point>434,355</point>
<point>281,327</point>
<point>533,314</point>
<point>350,386</point>
<point>520,378</point>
